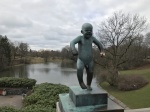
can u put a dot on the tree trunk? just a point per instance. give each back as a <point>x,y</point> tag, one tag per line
<point>113,77</point>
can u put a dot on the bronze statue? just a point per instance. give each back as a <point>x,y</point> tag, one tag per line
<point>85,55</point>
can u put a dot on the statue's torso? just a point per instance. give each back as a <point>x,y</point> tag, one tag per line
<point>85,50</point>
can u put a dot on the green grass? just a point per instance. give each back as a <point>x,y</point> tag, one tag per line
<point>133,99</point>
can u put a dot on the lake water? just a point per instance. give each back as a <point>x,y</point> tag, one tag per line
<point>60,72</point>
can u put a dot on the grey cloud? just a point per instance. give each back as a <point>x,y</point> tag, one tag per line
<point>54,23</point>
<point>3,29</point>
<point>50,45</point>
<point>10,20</point>
<point>63,33</point>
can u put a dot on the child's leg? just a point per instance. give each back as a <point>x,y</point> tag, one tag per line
<point>80,68</point>
<point>89,71</point>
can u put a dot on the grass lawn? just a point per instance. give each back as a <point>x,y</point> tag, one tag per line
<point>133,99</point>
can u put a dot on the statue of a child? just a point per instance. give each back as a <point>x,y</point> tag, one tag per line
<point>85,55</point>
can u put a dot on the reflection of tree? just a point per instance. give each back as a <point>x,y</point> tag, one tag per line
<point>68,64</point>
<point>32,70</point>
<point>68,68</point>
<point>7,73</point>
<point>21,71</point>
<point>43,70</point>
<point>68,72</point>
<point>46,70</point>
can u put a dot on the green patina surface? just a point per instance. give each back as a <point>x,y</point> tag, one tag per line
<point>82,97</point>
<point>85,53</point>
<point>78,91</point>
<point>66,103</point>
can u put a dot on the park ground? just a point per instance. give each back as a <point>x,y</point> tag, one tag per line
<point>136,98</point>
<point>11,101</point>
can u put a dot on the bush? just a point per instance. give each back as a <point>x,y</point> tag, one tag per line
<point>38,108</point>
<point>8,109</point>
<point>45,96</point>
<point>102,76</point>
<point>17,82</point>
<point>131,82</point>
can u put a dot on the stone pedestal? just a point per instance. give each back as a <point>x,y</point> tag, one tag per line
<point>79,100</point>
<point>82,97</point>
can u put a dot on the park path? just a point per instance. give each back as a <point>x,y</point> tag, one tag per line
<point>11,100</point>
<point>138,110</point>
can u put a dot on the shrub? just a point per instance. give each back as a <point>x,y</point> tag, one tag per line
<point>17,82</point>
<point>131,82</point>
<point>8,109</point>
<point>38,108</point>
<point>45,95</point>
<point>102,76</point>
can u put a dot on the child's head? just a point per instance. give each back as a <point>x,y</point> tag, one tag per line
<point>87,30</point>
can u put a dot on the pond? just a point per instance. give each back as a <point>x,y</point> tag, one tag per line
<point>58,73</point>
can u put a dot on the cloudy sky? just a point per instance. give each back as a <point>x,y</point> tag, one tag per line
<point>52,24</point>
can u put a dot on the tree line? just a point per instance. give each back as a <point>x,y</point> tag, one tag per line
<point>10,51</point>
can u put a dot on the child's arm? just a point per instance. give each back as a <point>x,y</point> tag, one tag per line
<point>72,45</point>
<point>99,45</point>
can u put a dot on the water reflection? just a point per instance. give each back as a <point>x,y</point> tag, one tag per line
<point>63,73</point>
<point>19,71</point>
<point>68,64</point>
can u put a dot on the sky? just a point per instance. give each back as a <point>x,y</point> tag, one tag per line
<point>52,24</point>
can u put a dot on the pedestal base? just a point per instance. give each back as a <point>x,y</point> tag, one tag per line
<point>79,100</point>
<point>66,105</point>
<point>85,97</point>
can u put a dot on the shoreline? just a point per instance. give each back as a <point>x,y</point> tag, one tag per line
<point>34,60</point>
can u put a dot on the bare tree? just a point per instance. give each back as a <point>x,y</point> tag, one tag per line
<point>45,55</point>
<point>136,53</point>
<point>119,30</point>
<point>66,52</point>
<point>147,39</point>
<point>147,43</point>
<point>23,49</point>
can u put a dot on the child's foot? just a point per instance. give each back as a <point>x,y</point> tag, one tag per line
<point>83,86</point>
<point>89,88</point>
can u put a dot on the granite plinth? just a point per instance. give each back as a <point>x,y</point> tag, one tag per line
<point>85,97</point>
<point>66,105</point>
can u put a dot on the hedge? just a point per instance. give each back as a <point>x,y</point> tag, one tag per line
<point>13,82</point>
<point>131,82</point>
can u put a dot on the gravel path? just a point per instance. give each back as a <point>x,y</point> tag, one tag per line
<point>11,100</point>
